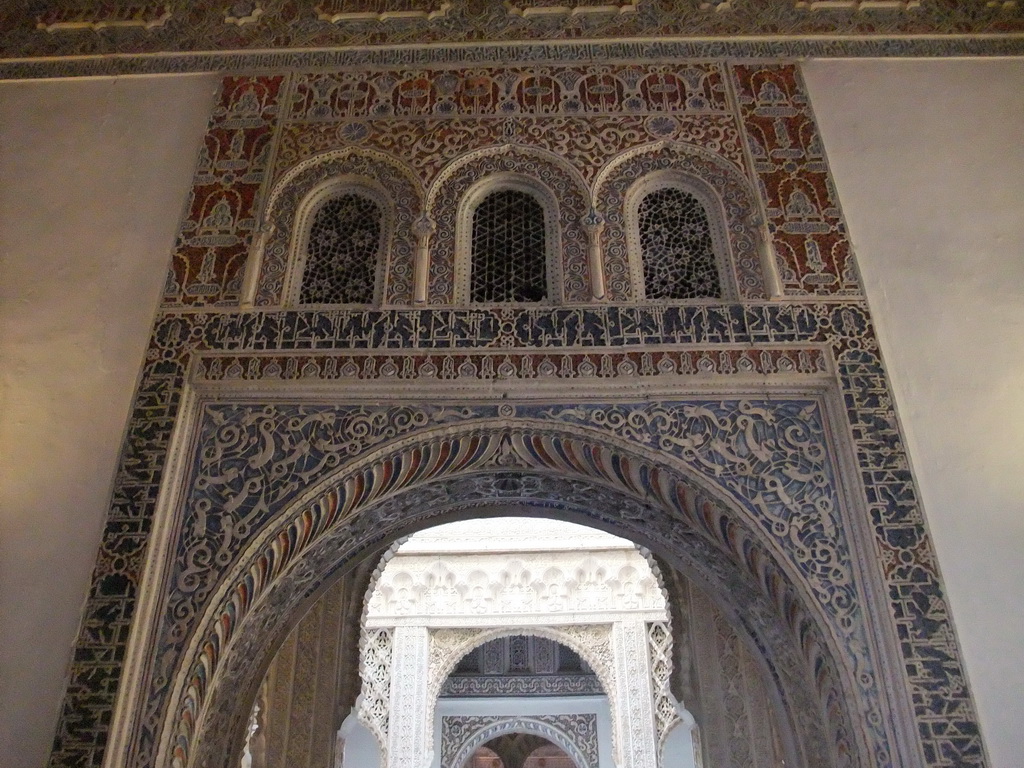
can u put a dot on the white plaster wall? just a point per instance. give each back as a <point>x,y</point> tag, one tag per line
<point>93,178</point>
<point>360,749</point>
<point>928,158</point>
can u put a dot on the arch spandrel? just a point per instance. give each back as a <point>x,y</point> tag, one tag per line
<point>419,460</point>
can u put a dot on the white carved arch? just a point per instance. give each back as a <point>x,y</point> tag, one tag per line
<point>541,727</point>
<point>708,199</point>
<point>310,206</point>
<point>592,642</point>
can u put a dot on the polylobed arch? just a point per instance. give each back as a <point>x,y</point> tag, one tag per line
<point>748,273</point>
<point>433,478</point>
<point>297,195</point>
<point>591,644</point>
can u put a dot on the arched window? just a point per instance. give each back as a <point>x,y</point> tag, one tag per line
<point>677,245</point>
<point>342,251</point>
<point>509,248</point>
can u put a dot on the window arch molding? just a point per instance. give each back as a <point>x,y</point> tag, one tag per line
<point>750,273</point>
<point>477,194</point>
<point>308,209</point>
<point>713,211</point>
<point>271,254</point>
<point>546,726</point>
<point>572,276</point>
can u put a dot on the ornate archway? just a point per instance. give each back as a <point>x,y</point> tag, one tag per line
<point>570,471</point>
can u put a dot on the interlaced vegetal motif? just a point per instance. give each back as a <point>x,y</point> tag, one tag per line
<point>592,642</point>
<point>503,91</point>
<point>809,235</point>
<point>575,733</point>
<point>772,456</point>
<point>659,637</point>
<point>634,703</point>
<point>723,180</point>
<point>585,141</point>
<point>509,250</point>
<point>462,686</point>
<point>248,467</point>
<point>411,721</point>
<point>569,266</point>
<point>343,246</point>
<point>285,205</point>
<point>220,219</point>
<point>375,672</point>
<point>676,246</point>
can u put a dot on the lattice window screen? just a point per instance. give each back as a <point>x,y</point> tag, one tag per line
<point>676,246</point>
<point>342,251</point>
<point>509,249</point>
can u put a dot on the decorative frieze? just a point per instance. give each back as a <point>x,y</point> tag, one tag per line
<point>99,16</point>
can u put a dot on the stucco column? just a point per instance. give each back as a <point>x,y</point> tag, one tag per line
<point>408,727</point>
<point>633,708</point>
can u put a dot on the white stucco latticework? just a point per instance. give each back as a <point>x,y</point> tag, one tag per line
<point>408,734</point>
<point>633,707</point>
<point>447,591</point>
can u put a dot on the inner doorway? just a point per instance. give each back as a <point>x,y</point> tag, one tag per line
<point>497,622</point>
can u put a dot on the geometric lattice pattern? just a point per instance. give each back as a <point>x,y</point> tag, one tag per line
<point>660,643</point>
<point>341,254</point>
<point>509,249</point>
<point>376,674</point>
<point>676,246</point>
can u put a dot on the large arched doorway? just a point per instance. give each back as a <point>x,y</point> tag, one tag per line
<point>342,524</point>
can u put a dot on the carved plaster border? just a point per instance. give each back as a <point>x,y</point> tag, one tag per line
<point>761,48</point>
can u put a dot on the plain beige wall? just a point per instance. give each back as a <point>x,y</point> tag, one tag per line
<point>929,164</point>
<point>93,178</point>
<point>928,158</point>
